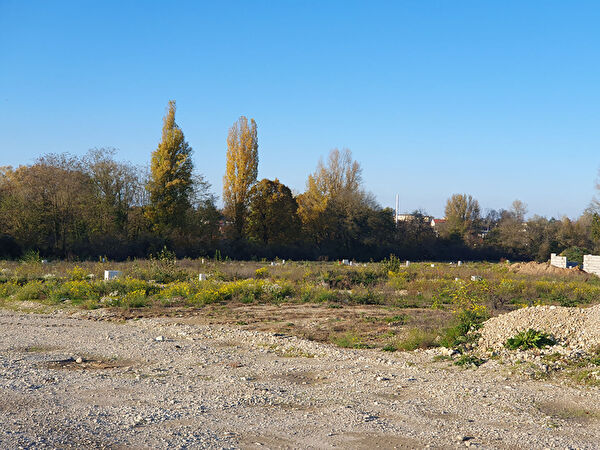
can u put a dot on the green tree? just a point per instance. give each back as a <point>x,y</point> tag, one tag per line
<point>170,185</point>
<point>595,229</point>
<point>241,171</point>
<point>272,215</point>
<point>462,217</point>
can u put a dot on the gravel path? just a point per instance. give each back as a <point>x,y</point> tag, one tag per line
<point>71,382</point>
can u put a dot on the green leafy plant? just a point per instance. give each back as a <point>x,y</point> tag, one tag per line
<point>531,338</point>
<point>31,256</point>
<point>459,334</point>
<point>468,360</point>
<point>391,264</point>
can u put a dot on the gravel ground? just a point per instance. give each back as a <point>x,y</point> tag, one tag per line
<point>66,381</point>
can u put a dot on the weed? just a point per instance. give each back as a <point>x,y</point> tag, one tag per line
<point>263,272</point>
<point>468,360</point>
<point>348,340</point>
<point>417,338</point>
<point>529,339</point>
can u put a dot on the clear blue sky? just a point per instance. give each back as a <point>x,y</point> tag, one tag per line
<point>497,99</point>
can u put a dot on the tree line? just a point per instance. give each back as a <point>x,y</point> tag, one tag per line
<point>85,207</point>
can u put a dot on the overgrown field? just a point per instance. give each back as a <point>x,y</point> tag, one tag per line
<point>386,305</point>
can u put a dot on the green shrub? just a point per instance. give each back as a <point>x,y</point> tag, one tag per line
<point>7,289</point>
<point>76,274</point>
<point>261,273</point>
<point>367,298</point>
<point>458,334</point>
<point>531,338</point>
<point>135,299</point>
<point>468,360</point>
<point>31,257</point>
<point>34,290</point>
<point>391,264</point>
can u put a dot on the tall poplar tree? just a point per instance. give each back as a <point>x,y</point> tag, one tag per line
<point>241,171</point>
<point>170,185</point>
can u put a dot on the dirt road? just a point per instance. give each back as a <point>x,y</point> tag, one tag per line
<point>156,383</point>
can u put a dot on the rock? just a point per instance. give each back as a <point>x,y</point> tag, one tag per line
<point>79,360</point>
<point>159,338</point>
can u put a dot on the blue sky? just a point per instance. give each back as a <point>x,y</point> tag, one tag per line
<point>496,99</point>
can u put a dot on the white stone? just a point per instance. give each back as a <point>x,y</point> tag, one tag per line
<point>112,274</point>
<point>202,277</point>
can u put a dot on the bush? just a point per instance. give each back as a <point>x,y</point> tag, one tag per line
<point>461,333</point>
<point>531,338</point>
<point>7,289</point>
<point>261,273</point>
<point>135,299</point>
<point>468,360</point>
<point>391,264</point>
<point>76,274</point>
<point>34,290</point>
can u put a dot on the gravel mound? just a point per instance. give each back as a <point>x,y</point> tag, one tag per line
<point>576,329</point>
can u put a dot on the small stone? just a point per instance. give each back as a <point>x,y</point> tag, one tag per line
<point>159,338</point>
<point>79,360</point>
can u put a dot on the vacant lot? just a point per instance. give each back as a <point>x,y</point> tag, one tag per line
<point>288,355</point>
<point>382,305</point>
<point>68,381</point>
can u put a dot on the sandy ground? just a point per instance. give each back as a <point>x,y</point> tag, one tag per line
<point>71,382</point>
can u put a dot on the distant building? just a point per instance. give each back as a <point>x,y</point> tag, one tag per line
<point>411,217</point>
<point>435,223</point>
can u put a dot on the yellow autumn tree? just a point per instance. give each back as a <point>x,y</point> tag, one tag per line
<point>241,171</point>
<point>333,194</point>
<point>170,185</point>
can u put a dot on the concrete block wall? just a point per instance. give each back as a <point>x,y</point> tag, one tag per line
<point>558,261</point>
<point>591,264</point>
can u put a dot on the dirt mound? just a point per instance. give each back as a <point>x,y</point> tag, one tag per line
<point>576,329</point>
<point>533,268</point>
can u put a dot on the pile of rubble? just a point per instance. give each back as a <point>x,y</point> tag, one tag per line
<point>576,330</point>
